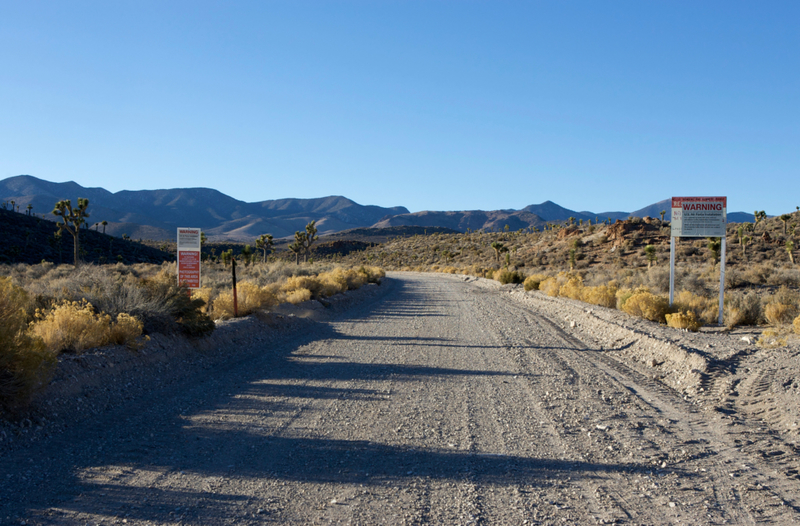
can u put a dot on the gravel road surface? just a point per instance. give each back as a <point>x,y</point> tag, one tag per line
<point>432,401</point>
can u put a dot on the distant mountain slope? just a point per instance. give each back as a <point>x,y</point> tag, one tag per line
<point>461,221</point>
<point>155,214</point>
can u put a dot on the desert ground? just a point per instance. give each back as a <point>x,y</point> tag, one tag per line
<point>430,399</point>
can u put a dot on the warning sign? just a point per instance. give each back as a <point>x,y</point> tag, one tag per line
<point>189,257</point>
<point>699,216</point>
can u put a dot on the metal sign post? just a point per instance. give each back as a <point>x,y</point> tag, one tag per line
<point>698,217</point>
<point>189,257</point>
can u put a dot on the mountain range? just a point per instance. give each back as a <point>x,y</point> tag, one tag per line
<point>155,214</point>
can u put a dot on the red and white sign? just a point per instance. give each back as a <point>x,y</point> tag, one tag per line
<point>189,257</point>
<point>699,216</point>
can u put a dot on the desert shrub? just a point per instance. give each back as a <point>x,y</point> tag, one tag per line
<point>376,274</point>
<point>572,288</point>
<point>127,330</point>
<point>25,364</point>
<point>624,294</point>
<point>647,305</point>
<point>203,294</point>
<point>658,279</point>
<point>704,309</point>
<point>549,286</point>
<point>74,326</point>
<point>309,283</point>
<point>449,270</point>
<point>796,325</point>
<point>785,277</point>
<point>178,310</point>
<point>779,313</point>
<point>742,309</point>
<point>249,298</point>
<point>683,320</point>
<point>507,276</point>
<point>298,296</point>
<point>532,282</point>
<point>771,339</point>
<point>693,283</point>
<point>603,295</point>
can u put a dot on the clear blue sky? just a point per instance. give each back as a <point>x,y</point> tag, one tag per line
<point>434,105</point>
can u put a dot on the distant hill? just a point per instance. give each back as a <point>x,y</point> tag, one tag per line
<point>156,214</point>
<point>30,239</point>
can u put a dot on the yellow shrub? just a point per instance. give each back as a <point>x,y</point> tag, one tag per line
<point>647,306</point>
<point>25,364</point>
<point>250,297</point>
<point>683,320</point>
<point>203,294</point>
<point>310,283</point>
<point>333,282</point>
<point>298,296</point>
<point>796,325</point>
<point>533,282</point>
<point>549,286</point>
<point>573,288</point>
<point>779,313</point>
<point>127,331</point>
<point>74,326</point>
<point>771,339</point>
<point>449,270</point>
<point>603,295</point>
<point>705,310</point>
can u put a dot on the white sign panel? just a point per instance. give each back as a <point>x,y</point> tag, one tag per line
<point>699,216</point>
<point>189,257</point>
<point>188,239</point>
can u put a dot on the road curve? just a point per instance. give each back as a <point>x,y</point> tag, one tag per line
<point>434,402</point>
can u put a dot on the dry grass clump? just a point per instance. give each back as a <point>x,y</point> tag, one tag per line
<point>742,309</point>
<point>782,307</point>
<point>25,363</point>
<point>796,325</point>
<point>683,320</point>
<point>771,339</point>
<point>550,286</point>
<point>73,326</point>
<point>647,305</point>
<point>779,313</point>
<point>506,276</point>
<point>603,295</point>
<point>297,296</point>
<point>249,298</point>
<point>704,309</point>
<point>533,282</point>
<point>572,287</point>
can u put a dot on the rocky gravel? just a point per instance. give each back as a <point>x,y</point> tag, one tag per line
<point>432,399</point>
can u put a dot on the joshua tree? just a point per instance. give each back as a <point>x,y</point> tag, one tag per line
<point>789,249</point>
<point>663,213</point>
<point>308,238</point>
<point>247,254</point>
<point>759,216</point>
<point>785,218</point>
<point>297,246</point>
<point>650,254</point>
<point>73,219</point>
<point>264,243</point>
<point>104,223</point>
<point>498,248</point>
<point>714,246</point>
<point>29,207</point>
<point>572,252</point>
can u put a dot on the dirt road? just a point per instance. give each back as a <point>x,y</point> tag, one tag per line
<point>434,402</point>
